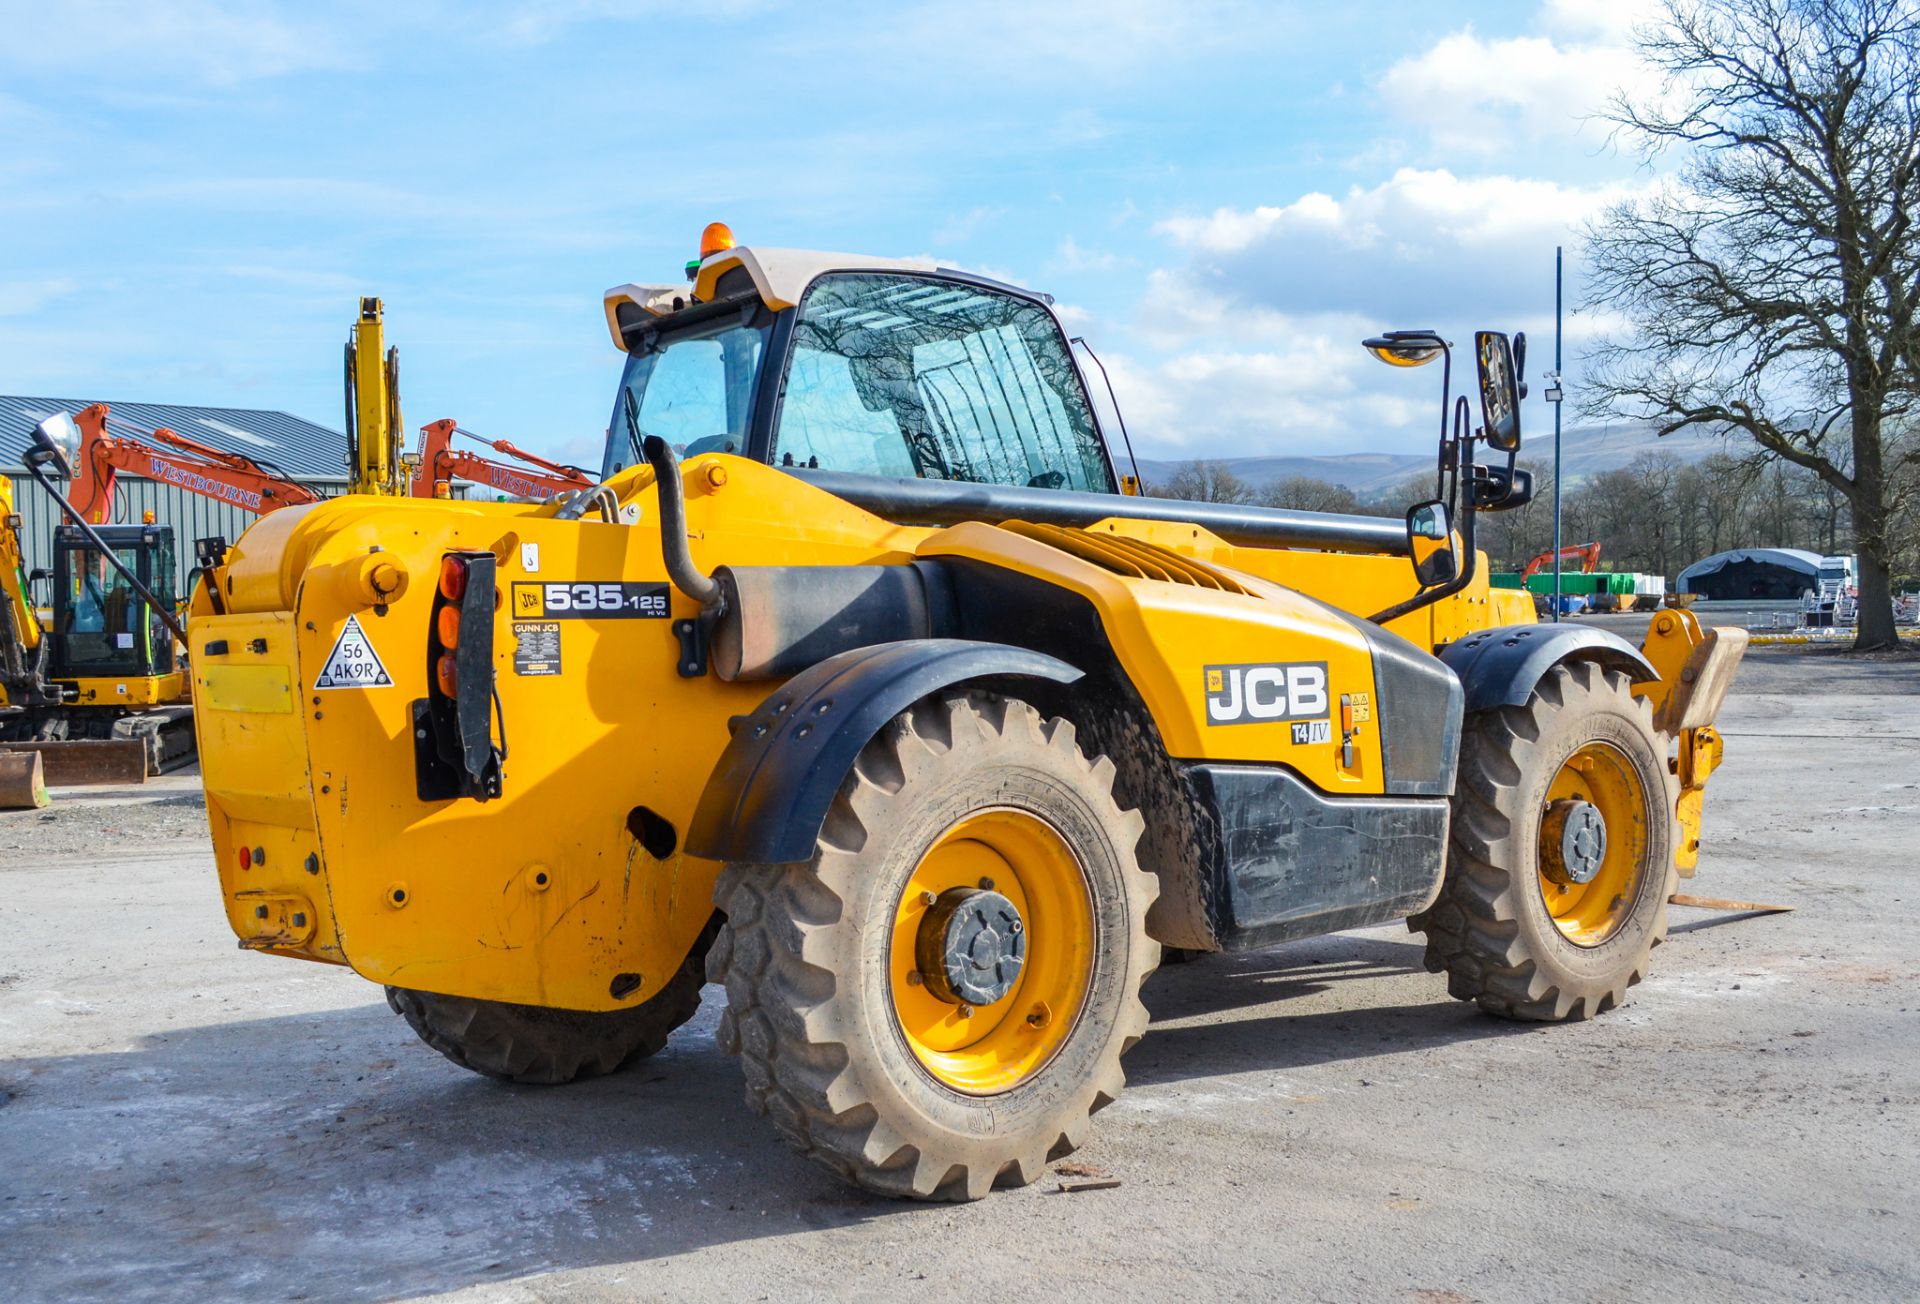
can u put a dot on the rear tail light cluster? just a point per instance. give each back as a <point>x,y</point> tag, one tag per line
<point>446,623</point>
<point>454,749</point>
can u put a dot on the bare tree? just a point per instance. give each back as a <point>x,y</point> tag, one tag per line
<point>1206,482</point>
<point>1771,288</point>
<point>1308,494</point>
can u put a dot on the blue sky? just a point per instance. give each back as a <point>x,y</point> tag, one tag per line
<point>1223,197</point>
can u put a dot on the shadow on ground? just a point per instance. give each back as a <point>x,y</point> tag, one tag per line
<point>330,1155</point>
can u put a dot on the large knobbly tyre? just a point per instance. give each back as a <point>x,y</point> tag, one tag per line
<point>1561,859</point>
<point>547,1047</point>
<point>938,1000</point>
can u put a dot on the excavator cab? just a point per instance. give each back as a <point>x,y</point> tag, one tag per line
<point>103,629</point>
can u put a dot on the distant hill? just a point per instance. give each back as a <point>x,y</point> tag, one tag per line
<point>1584,450</point>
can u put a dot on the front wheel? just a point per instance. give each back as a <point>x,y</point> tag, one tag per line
<point>1562,851</point>
<point>939,999</point>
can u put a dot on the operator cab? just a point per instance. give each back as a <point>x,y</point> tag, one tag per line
<point>842,363</point>
<point>102,627</point>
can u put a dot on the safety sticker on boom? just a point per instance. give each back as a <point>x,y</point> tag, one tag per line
<point>353,663</point>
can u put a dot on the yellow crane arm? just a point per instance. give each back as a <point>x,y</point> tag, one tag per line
<point>373,406</point>
<point>13,574</point>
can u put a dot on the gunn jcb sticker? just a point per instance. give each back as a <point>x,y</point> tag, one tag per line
<point>579,600</point>
<point>1265,692</point>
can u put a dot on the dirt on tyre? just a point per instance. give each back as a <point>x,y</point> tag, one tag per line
<point>937,1002</point>
<point>1561,856</point>
<point>540,1046</point>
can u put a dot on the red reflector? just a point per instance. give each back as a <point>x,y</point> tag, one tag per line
<point>447,626</point>
<point>246,857</point>
<point>443,675</point>
<point>453,578</point>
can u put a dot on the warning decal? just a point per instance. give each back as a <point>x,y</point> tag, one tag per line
<point>353,663</point>
<point>536,647</point>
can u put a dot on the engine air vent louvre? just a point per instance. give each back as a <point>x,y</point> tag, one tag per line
<point>1125,556</point>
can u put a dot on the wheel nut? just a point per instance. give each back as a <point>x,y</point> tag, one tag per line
<point>1016,927</point>
<point>986,885</point>
<point>913,978</point>
<point>928,898</point>
<point>965,1011</point>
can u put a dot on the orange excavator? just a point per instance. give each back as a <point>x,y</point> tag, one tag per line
<point>1587,554</point>
<point>170,459</point>
<point>441,464</point>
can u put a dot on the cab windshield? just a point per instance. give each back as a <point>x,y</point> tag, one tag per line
<point>694,389</point>
<point>937,380</point>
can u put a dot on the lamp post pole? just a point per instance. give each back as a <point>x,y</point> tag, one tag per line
<point>1554,395</point>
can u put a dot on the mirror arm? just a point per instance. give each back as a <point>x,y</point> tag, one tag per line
<point>1428,597</point>
<point>86,527</point>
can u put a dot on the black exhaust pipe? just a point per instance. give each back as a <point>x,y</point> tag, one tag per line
<point>673,527</point>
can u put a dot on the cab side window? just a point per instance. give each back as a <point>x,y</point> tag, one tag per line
<point>915,376</point>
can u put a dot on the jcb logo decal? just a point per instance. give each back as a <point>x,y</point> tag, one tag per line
<point>1259,694</point>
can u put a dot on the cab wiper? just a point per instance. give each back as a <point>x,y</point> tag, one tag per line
<point>631,410</point>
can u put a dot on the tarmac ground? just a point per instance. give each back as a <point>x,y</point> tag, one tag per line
<point>180,1120</point>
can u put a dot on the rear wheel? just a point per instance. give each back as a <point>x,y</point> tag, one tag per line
<point>937,1002</point>
<point>546,1047</point>
<point>1562,851</point>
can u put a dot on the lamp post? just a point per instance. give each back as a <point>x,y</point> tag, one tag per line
<point>1553,395</point>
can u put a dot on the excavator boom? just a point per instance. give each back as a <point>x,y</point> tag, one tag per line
<point>1587,554</point>
<point>441,464</point>
<point>171,459</point>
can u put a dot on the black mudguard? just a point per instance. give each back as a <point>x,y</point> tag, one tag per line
<point>1502,666</point>
<point>769,793</point>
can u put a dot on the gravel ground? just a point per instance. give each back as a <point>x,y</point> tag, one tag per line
<point>181,1121</point>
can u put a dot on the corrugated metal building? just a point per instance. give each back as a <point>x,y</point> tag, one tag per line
<point>288,446</point>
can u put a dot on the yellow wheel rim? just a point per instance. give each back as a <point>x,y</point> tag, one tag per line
<point>1590,913</point>
<point>1001,1045</point>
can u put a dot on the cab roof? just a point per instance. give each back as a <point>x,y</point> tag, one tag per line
<point>780,276</point>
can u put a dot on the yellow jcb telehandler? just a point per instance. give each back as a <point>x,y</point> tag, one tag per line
<point>857,686</point>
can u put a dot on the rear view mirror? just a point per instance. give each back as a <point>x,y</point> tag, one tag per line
<point>1430,539</point>
<point>1499,390</point>
<point>56,440</point>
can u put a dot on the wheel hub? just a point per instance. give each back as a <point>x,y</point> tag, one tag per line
<point>971,946</point>
<point>1573,841</point>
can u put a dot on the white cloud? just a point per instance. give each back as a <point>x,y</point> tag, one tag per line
<point>1424,243</point>
<point>21,298</point>
<point>1613,23</point>
<point>1474,95</point>
<point>135,41</point>
<point>1255,336</point>
<point>1477,94</point>
<point>962,227</point>
<point>535,22</point>
<point>1072,257</point>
